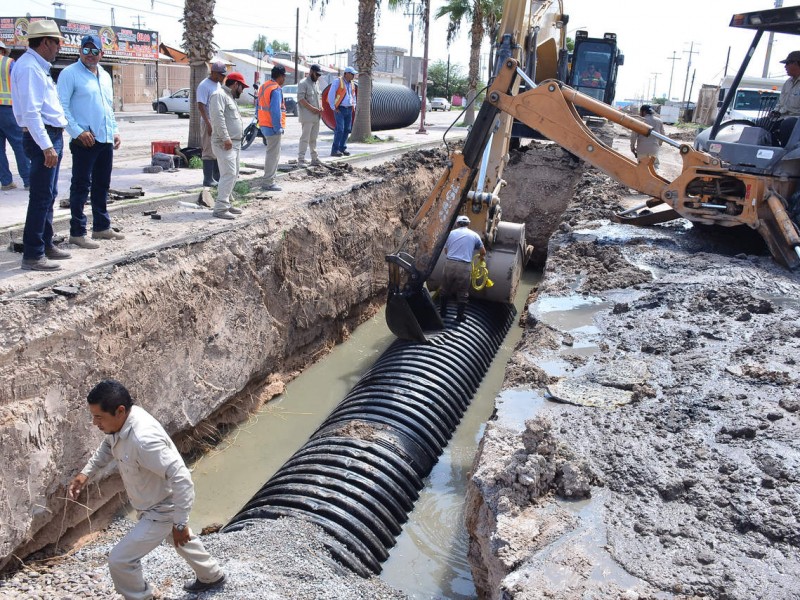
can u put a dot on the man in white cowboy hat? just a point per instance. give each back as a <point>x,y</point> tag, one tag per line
<point>38,111</point>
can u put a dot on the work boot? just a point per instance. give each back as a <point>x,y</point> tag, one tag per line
<point>107,234</point>
<point>224,214</point>
<point>235,211</point>
<point>443,307</point>
<point>201,586</point>
<point>83,242</point>
<point>54,253</point>
<point>39,264</point>
<point>208,173</point>
<point>460,316</point>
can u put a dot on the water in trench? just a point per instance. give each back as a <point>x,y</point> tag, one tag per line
<point>429,560</point>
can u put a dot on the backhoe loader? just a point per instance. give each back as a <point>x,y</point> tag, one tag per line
<point>734,183</point>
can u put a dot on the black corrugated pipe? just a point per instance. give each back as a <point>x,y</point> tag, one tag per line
<point>393,107</point>
<point>360,473</point>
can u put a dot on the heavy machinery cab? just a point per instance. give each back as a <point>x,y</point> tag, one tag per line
<point>594,64</point>
<point>765,145</point>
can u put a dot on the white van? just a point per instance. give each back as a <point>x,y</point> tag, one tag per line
<point>755,96</point>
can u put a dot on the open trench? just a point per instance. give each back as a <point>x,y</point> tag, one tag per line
<point>206,331</point>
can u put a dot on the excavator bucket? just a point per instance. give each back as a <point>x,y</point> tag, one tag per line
<point>410,315</point>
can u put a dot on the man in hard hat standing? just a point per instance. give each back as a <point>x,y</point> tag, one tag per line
<point>38,111</point>
<point>226,140</point>
<point>9,130</point>
<point>342,99</point>
<point>460,247</point>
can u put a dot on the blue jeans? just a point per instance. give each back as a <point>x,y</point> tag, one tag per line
<point>10,131</point>
<point>91,170</point>
<point>38,231</point>
<point>344,124</point>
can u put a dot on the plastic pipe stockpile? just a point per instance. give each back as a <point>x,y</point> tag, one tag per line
<point>360,473</point>
<point>393,107</point>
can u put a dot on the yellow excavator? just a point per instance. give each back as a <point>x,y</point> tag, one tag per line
<point>738,179</point>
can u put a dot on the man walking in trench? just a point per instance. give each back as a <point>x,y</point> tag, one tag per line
<point>38,111</point>
<point>86,93</point>
<point>159,487</point>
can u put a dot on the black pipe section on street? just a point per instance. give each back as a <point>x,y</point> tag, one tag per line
<point>360,473</point>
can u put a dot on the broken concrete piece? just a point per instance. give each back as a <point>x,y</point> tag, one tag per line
<point>586,393</point>
<point>70,291</point>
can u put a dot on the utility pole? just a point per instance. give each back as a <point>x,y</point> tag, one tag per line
<point>296,42</point>
<point>671,72</point>
<point>113,22</point>
<point>771,39</point>
<point>414,7</point>
<point>139,23</point>
<point>655,84</point>
<point>447,80</point>
<point>688,68</point>
<point>427,17</point>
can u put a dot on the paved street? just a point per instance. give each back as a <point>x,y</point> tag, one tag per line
<point>138,130</point>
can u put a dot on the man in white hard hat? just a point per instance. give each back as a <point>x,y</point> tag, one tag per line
<point>460,247</point>
<point>38,111</point>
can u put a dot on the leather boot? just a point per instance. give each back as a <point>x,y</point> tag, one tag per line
<point>208,173</point>
<point>443,307</point>
<point>460,316</point>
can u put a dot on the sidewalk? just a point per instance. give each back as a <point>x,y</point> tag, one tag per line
<point>139,129</point>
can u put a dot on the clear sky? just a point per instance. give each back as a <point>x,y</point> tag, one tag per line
<point>648,32</point>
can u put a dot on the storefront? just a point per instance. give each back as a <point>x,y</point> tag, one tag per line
<point>131,56</point>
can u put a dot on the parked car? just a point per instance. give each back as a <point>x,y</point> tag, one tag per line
<point>290,99</point>
<point>440,104</point>
<point>177,103</point>
<point>427,104</point>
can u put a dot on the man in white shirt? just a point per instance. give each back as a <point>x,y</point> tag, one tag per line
<point>460,247</point>
<point>159,487</point>
<point>38,111</point>
<point>208,86</point>
<point>226,140</point>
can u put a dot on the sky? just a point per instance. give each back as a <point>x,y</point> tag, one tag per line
<point>649,33</point>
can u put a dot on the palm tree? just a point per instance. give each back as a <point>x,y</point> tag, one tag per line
<point>482,15</point>
<point>365,59</point>
<point>198,33</point>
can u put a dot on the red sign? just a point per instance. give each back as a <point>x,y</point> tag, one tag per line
<point>118,42</point>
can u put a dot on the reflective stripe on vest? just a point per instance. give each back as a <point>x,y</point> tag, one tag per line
<point>341,92</point>
<point>264,115</point>
<point>5,81</point>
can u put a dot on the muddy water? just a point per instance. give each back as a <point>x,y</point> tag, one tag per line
<point>429,560</point>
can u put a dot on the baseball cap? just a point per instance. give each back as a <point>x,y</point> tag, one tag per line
<point>236,76</point>
<point>351,70</point>
<point>794,56</point>
<point>2,46</point>
<point>218,67</point>
<point>462,220</point>
<point>315,68</point>
<point>92,39</point>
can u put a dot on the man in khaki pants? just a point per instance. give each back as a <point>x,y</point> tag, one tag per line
<point>226,140</point>
<point>159,487</point>
<point>308,99</point>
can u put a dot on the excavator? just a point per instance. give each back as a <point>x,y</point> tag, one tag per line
<point>732,183</point>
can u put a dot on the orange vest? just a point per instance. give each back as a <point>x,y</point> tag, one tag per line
<point>5,81</point>
<point>341,92</point>
<point>264,96</point>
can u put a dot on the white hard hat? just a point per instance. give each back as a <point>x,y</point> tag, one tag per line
<point>462,220</point>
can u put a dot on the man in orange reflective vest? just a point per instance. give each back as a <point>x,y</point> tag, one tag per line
<point>342,99</point>
<point>272,121</point>
<point>9,130</point>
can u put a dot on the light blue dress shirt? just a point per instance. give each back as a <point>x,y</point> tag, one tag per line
<point>349,98</point>
<point>34,97</point>
<point>88,102</point>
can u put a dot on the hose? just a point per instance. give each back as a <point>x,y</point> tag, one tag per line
<point>480,274</point>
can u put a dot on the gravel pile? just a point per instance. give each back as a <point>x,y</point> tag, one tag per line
<point>269,560</point>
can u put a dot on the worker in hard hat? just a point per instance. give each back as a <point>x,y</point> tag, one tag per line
<point>461,246</point>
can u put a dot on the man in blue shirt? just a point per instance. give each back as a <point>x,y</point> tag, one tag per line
<point>342,99</point>
<point>87,96</point>
<point>41,116</point>
<point>460,247</point>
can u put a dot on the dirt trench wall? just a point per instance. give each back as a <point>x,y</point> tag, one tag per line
<point>187,329</point>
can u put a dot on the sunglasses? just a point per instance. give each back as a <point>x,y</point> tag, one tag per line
<point>92,51</point>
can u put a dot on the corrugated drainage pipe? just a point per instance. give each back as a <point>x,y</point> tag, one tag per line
<point>393,107</point>
<point>360,473</point>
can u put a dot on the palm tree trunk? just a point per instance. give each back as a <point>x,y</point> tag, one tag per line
<point>198,35</point>
<point>476,37</point>
<point>365,58</point>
